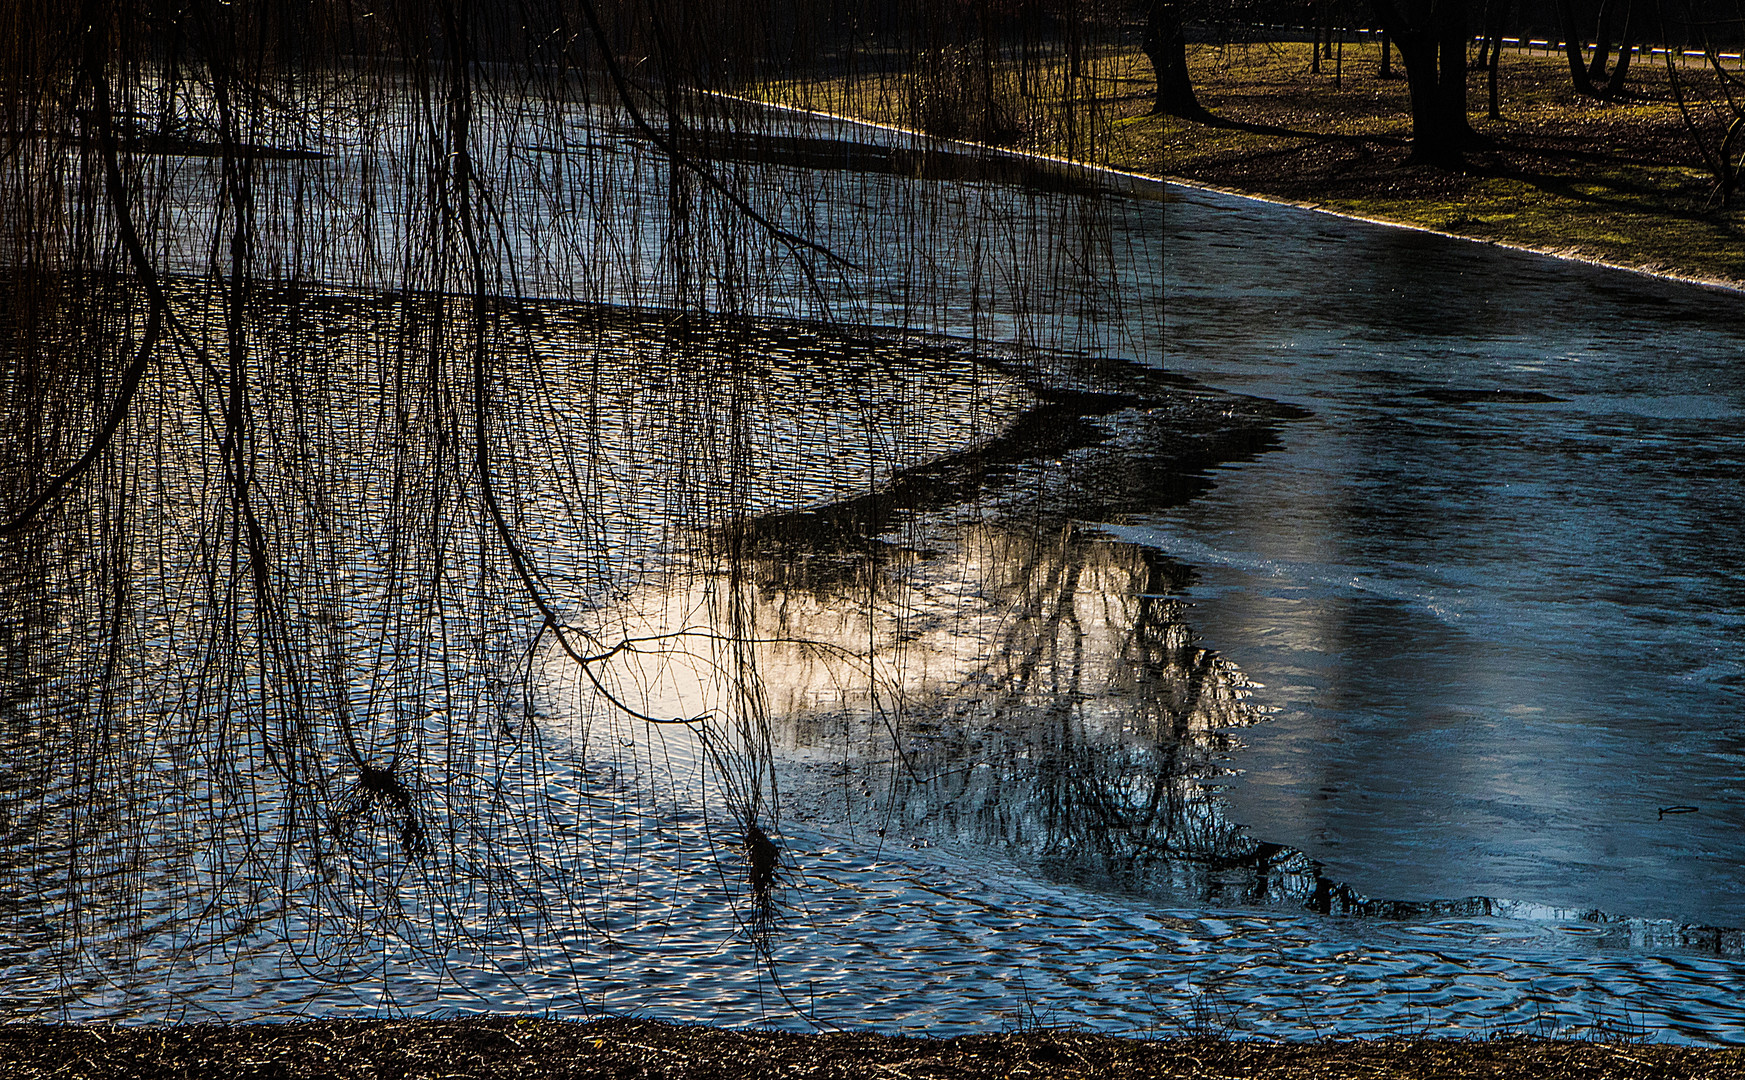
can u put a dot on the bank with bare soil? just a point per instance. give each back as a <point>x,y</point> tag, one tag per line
<point>1621,182</point>
<point>526,1048</point>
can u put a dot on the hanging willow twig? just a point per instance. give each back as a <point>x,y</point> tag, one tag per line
<point>794,242</point>
<point>116,192</point>
<point>306,548</point>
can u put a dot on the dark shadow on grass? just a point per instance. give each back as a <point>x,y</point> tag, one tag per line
<point>1211,119</point>
<point>1573,148</point>
<point>1562,185</point>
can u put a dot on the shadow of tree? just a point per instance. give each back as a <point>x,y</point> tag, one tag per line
<point>1627,195</point>
<point>1224,123</point>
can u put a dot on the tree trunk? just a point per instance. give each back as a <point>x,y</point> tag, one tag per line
<point>1166,44</point>
<point>1387,58</point>
<point>1494,110</point>
<point>1596,68</point>
<point>1626,46</point>
<point>1432,37</point>
<point>1452,38</point>
<point>1572,47</point>
<point>1496,17</point>
<point>1430,144</point>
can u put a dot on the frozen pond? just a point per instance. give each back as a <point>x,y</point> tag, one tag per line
<point>1065,688</point>
<point>1494,587</point>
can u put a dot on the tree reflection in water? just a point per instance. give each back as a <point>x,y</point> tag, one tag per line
<point>347,766</point>
<point>976,674</point>
<point>347,359</point>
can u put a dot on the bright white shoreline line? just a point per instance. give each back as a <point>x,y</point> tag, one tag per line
<point>1148,181</point>
<point>1134,179</point>
<point>1727,285</point>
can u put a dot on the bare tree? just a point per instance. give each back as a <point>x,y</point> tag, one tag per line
<point>1613,24</point>
<point>1711,100</point>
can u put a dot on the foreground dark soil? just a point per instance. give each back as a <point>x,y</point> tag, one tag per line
<point>526,1048</point>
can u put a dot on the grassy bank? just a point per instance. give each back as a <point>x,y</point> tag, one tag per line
<point>1618,182</point>
<point>1098,116</point>
<point>526,1048</point>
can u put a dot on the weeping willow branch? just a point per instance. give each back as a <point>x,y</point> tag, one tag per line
<point>116,191</point>
<point>302,574</point>
<point>795,243</point>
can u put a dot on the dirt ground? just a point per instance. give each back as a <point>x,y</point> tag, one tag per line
<point>526,1048</point>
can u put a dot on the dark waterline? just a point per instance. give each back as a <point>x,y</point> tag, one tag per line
<point>1494,588</point>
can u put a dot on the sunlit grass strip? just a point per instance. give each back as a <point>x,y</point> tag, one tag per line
<point>1648,232</point>
<point>1619,206</point>
<point>1098,117</point>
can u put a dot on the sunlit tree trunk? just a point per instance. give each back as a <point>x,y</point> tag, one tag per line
<point>1493,64</point>
<point>1626,45</point>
